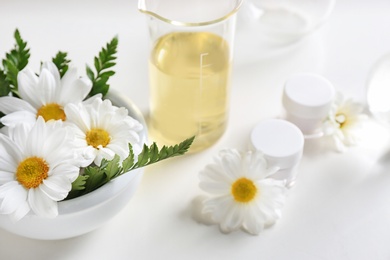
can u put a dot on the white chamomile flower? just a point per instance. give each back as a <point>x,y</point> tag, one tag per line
<point>344,122</point>
<point>243,196</point>
<point>103,130</point>
<point>37,168</point>
<point>45,95</point>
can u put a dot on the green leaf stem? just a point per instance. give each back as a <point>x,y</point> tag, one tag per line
<point>96,176</point>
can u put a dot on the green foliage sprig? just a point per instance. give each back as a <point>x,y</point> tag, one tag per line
<point>14,61</point>
<point>5,87</point>
<point>17,59</point>
<point>62,63</point>
<point>102,63</point>
<point>96,176</point>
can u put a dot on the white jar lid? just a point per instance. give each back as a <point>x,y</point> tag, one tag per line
<point>308,95</point>
<point>281,142</point>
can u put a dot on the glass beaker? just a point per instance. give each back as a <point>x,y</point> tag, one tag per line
<point>189,68</point>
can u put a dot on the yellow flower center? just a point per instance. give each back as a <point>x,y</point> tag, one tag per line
<point>97,136</point>
<point>243,190</point>
<point>52,111</point>
<point>31,172</point>
<point>341,119</point>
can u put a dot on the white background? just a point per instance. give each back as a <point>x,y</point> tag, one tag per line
<point>340,206</point>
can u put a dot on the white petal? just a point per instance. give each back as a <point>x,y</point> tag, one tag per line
<point>218,207</point>
<point>233,218</point>
<point>18,117</point>
<point>69,77</point>
<point>231,163</point>
<point>94,113</point>
<point>12,104</point>
<point>41,204</point>
<point>58,147</point>
<point>253,222</point>
<point>60,182</point>
<point>47,87</point>
<point>121,150</point>
<point>270,212</point>
<point>210,204</point>
<point>56,188</point>
<point>19,134</point>
<point>106,106</point>
<point>272,187</point>
<point>90,100</point>
<point>78,135</point>
<point>125,137</point>
<point>339,145</point>
<point>6,176</point>
<point>9,153</point>
<point>52,68</point>
<point>86,156</point>
<point>78,115</point>
<point>67,170</point>
<point>13,196</point>
<point>20,212</point>
<point>8,164</point>
<point>60,156</point>
<point>27,85</point>
<point>5,188</point>
<point>103,153</point>
<point>54,125</point>
<point>256,166</point>
<point>134,124</point>
<point>217,188</point>
<point>116,127</point>
<point>271,199</point>
<point>74,89</point>
<point>36,139</point>
<point>213,172</point>
<point>245,164</point>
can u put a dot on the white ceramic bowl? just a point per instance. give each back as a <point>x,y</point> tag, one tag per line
<point>86,213</point>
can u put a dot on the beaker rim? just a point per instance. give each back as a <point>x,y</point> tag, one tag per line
<point>142,8</point>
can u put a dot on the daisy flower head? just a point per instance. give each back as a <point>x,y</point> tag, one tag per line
<point>37,168</point>
<point>242,195</point>
<point>344,122</point>
<point>45,95</point>
<point>103,130</point>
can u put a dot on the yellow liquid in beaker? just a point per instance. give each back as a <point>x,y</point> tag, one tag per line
<point>189,76</point>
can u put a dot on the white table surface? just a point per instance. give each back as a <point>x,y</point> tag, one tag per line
<point>340,206</point>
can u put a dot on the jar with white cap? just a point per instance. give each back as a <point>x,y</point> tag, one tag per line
<point>282,143</point>
<point>307,99</point>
